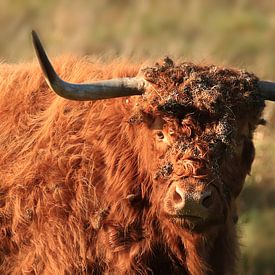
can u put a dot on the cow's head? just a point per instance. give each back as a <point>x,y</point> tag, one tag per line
<point>197,123</point>
<point>200,122</point>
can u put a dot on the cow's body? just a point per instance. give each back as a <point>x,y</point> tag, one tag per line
<point>81,183</point>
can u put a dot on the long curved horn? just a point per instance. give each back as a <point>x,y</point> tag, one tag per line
<point>91,91</point>
<point>267,89</point>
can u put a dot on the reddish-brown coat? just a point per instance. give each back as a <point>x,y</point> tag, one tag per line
<point>77,192</point>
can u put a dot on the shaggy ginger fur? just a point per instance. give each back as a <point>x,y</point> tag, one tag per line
<point>84,185</point>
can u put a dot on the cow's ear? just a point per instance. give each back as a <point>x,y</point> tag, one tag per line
<point>248,154</point>
<point>234,211</point>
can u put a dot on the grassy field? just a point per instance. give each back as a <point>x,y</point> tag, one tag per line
<point>236,33</point>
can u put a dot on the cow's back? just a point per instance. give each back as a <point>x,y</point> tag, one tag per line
<point>50,162</point>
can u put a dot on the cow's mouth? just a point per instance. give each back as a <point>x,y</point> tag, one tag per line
<point>195,223</point>
<point>188,222</point>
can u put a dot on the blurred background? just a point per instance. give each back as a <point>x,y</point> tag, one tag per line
<point>235,33</point>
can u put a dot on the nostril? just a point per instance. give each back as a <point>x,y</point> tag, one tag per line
<point>176,197</point>
<point>207,200</point>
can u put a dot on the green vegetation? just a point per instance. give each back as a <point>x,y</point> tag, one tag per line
<point>238,33</point>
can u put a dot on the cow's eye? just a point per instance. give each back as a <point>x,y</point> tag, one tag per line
<point>160,135</point>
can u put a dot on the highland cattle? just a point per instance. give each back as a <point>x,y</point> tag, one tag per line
<point>136,172</point>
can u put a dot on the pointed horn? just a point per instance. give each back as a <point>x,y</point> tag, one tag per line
<point>267,89</point>
<point>91,91</point>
